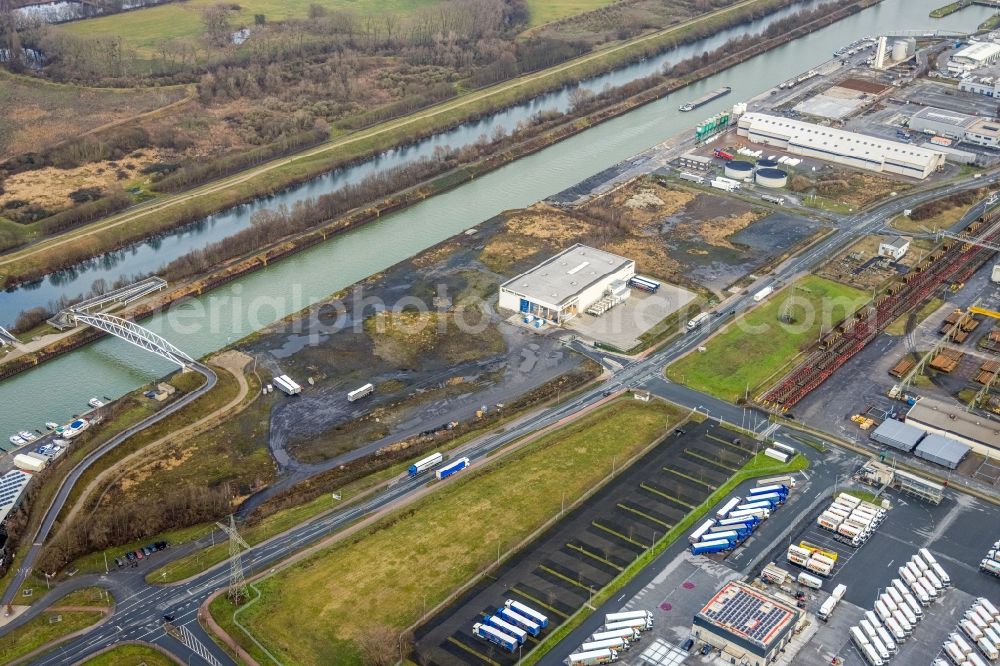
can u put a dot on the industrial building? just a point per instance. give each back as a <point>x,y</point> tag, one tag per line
<point>840,146</point>
<point>942,451</point>
<point>746,625</point>
<point>12,484</point>
<point>954,422</point>
<point>567,284</point>
<point>894,248</point>
<point>973,56</point>
<point>954,125</point>
<point>898,435</point>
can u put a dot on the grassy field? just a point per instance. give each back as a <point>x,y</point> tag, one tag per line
<point>131,655</point>
<point>546,11</point>
<point>35,113</point>
<point>313,612</point>
<point>41,630</point>
<point>86,596</point>
<point>755,348</point>
<point>145,28</point>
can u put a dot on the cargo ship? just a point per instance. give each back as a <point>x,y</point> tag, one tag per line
<point>705,99</point>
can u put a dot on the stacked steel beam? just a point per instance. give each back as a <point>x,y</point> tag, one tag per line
<point>956,262</point>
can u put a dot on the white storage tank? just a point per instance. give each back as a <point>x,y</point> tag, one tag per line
<point>739,170</point>
<point>770,177</point>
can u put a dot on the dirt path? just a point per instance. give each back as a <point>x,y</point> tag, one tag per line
<point>173,200</point>
<point>234,362</point>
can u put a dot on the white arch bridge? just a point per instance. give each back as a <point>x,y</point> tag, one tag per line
<point>131,332</point>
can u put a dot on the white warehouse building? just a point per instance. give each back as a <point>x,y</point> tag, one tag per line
<point>973,56</point>
<point>568,283</point>
<point>840,146</point>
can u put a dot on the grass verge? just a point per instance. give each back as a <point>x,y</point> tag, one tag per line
<point>760,465</point>
<point>131,655</point>
<point>336,596</point>
<point>44,629</point>
<point>754,349</point>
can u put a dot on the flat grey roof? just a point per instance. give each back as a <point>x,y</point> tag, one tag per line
<point>953,118</point>
<point>896,242</point>
<point>954,419</point>
<point>897,434</point>
<point>940,448</point>
<point>562,277</point>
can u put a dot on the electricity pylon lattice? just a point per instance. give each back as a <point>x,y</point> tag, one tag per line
<point>237,581</point>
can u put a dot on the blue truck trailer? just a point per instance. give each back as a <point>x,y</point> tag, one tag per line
<point>528,612</point>
<point>706,547</point>
<point>749,521</point>
<point>775,488</point>
<point>494,636</point>
<point>425,464</point>
<point>742,531</point>
<point>774,498</point>
<point>506,627</point>
<point>452,468</point>
<point>519,621</point>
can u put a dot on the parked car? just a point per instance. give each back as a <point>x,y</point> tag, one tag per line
<point>119,563</point>
<point>129,556</point>
<point>706,648</point>
<point>687,645</point>
<point>138,554</point>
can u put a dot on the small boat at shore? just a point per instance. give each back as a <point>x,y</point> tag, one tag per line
<point>95,403</point>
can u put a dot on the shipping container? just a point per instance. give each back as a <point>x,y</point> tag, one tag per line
<point>425,464</point>
<point>749,506</point>
<point>880,649</point>
<point>619,644</point>
<point>798,555</point>
<point>779,488</point>
<point>360,392</point>
<point>975,660</point>
<point>858,636</point>
<point>919,563</point>
<point>914,606</point>
<point>973,616</point>
<point>630,634</point>
<point>887,600</point>
<point>960,643</point>
<point>761,514</point>
<point>732,535</point>
<point>638,625</point>
<point>895,594</point>
<point>839,511</point>
<point>695,536</point>
<point>829,521</point>
<point>723,512</point>
<point>988,606</point>
<point>776,455</point>
<point>882,611</point>
<point>809,581</point>
<point>783,480</point>
<point>708,547</point>
<point>872,618</point>
<point>773,498</point>
<point>850,500</point>
<point>907,576</point>
<point>528,612</point>
<point>821,568</point>
<point>926,556</point>
<point>287,385</point>
<point>900,586</point>
<point>907,613</point>
<point>869,630</point>
<point>927,587</point>
<point>934,581</point>
<point>611,618</point>
<point>774,574</point>
<point>594,658</point>
<point>823,559</point>
<point>749,521</point>
<point>785,448</point>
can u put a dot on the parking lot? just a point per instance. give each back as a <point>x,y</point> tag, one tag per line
<point>582,553</point>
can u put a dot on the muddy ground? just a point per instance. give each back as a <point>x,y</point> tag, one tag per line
<point>429,368</point>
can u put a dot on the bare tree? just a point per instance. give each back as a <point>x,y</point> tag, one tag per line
<point>381,646</point>
<point>215,19</point>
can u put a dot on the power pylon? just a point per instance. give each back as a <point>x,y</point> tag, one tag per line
<point>237,581</point>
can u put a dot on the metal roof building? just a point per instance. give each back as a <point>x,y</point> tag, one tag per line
<point>942,451</point>
<point>745,624</point>
<point>840,146</point>
<point>566,284</point>
<point>974,55</point>
<point>898,435</point>
<point>941,121</point>
<point>952,421</point>
<point>12,484</point>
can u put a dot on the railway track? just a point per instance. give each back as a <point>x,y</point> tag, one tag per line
<point>955,261</point>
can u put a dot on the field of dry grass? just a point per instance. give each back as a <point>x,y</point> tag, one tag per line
<point>35,114</point>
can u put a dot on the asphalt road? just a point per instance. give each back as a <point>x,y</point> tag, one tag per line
<point>141,606</point>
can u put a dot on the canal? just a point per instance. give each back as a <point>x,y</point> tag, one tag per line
<point>60,388</point>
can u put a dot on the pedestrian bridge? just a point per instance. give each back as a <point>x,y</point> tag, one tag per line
<point>131,332</point>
